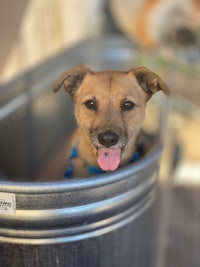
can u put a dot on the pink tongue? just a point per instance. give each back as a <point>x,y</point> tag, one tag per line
<point>109,158</point>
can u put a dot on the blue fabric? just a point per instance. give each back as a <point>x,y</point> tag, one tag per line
<point>70,167</point>
<point>69,171</point>
<point>73,153</point>
<point>94,170</point>
<point>134,157</point>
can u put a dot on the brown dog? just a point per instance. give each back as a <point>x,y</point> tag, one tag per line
<point>110,110</point>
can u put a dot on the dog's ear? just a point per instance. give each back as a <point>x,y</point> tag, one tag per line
<point>71,79</point>
<point>149,81</point>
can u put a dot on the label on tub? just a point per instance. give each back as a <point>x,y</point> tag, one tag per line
<point>7,203</point>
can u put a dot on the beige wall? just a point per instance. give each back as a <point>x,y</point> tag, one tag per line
<point>45,28</point>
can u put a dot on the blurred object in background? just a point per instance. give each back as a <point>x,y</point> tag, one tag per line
<point>157,22</point>
<point>32,31</point>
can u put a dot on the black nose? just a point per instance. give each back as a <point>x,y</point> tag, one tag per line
<point>108,138</point>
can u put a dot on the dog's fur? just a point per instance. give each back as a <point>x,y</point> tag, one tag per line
<point>111,104</point>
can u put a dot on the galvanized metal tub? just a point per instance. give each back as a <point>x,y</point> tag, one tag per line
<point>107,220</point>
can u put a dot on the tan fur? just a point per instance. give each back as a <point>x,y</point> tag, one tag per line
<point>109,89</point>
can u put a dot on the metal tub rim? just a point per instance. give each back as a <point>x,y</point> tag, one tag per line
<point>84,182</point>
<point>42,225</point>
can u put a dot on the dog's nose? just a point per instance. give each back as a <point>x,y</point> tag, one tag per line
<point>108,138</point>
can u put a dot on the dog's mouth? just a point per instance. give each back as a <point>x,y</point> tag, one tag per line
<point>109,149</point>
<point>108,159</point>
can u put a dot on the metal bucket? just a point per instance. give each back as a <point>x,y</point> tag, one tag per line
<point>104,221</point>
<point>107,220</point>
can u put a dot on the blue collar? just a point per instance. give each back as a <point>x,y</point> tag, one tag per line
<point>91,169</point>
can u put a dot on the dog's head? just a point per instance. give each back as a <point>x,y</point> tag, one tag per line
<point>110,108</point>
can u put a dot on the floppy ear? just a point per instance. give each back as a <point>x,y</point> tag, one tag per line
<point>72,79</point>
<point>149,81</point>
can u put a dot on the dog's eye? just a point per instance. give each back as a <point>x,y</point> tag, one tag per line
<point>91,104</point>
<point>127,106</point>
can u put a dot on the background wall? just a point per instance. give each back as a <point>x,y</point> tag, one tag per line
<point>34,30</point>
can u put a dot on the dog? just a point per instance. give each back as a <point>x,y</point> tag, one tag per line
<point>158,22</point>
<point>109,110</point>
